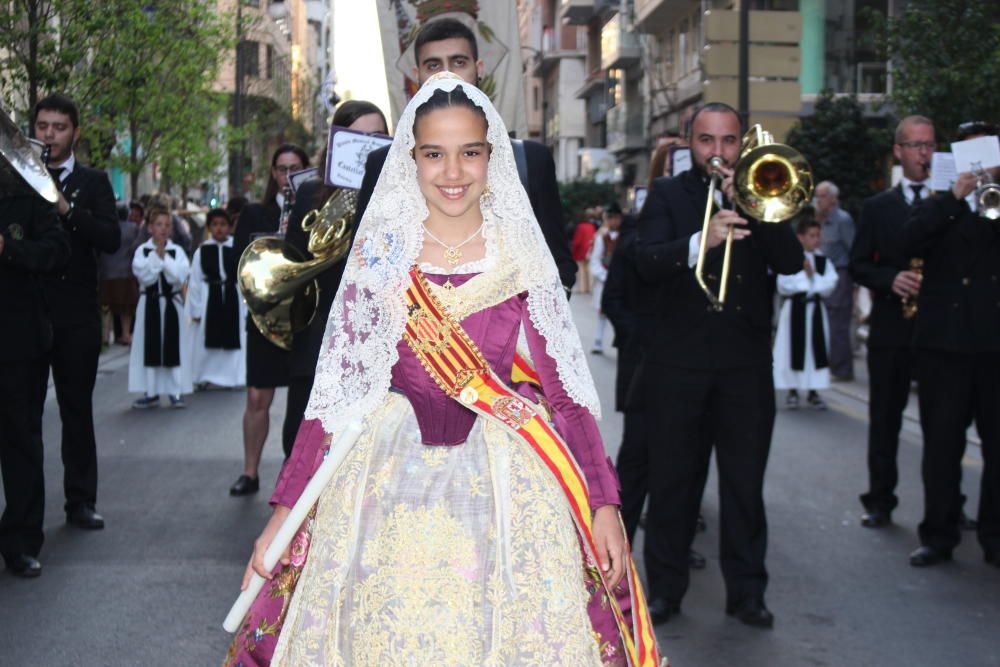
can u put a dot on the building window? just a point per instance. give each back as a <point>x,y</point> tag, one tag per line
<point>249,55</point>
<point>534,97</point>
<point>270,61</point>
<point>615,94</point>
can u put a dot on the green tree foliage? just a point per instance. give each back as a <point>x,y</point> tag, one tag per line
<point>945,60</point>
<point>841,147</point>
<point>583,193</point>
<point>141,73</point>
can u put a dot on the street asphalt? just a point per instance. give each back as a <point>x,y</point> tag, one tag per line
<point>154,586</point>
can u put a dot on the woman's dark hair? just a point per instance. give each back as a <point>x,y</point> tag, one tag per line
<point>272,185</point>
<point>659,162</point>
<point>345,116</point>
<point>444,99</point>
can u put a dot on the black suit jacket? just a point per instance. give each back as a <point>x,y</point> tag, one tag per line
<point>683,329</point>
<point>876,257</point>
<point>620,302</point>
<point>255,219</point>
<point>93,228</point>
<point>959,302</point>
<point>34,244</point>
<point>307,343</point>
<point>543,192</point>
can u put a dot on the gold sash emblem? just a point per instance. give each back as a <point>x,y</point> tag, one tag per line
<point>431,335</point>
<point>512,411</point>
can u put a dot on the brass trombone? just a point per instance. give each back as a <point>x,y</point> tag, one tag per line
<point>771,183</point>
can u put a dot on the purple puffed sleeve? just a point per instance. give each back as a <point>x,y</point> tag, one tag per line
<point>574,423</point>
<point>307,455</point>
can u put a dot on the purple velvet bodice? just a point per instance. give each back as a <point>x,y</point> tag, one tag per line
<point>445,421</point>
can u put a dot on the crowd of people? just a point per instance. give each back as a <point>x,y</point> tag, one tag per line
<point>478,501</point>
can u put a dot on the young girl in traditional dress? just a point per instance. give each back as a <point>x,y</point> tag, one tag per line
<point>802,342</point>
<point>215,309</point>
<point>460,529</point>
<point>158,361</point>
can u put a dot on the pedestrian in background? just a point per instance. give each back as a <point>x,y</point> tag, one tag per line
<point>86,207</point>
<point>582,243</point>
<point>31,243</point>
<point>158,362</point>
<point>838,237</point>
<point>119,291</point>
<point>600,258</point>
<point>215,310</point>
<point>266,363</point>
<point>800,347</point>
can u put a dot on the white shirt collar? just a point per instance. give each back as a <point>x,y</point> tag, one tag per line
<point>280,199</point>
<point>908,191</point>
<point>67,167</point>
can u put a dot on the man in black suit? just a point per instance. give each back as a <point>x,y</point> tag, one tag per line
<point>707,361</point>
<point>957,347</point>
<point>448,45</point>
<point>86,208</point>
<point>31,242</point>
<point>878,263</point>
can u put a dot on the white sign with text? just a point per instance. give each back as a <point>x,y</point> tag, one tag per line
<point>347,152</point>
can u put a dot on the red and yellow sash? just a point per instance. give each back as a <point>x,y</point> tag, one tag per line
<point>458,367</point>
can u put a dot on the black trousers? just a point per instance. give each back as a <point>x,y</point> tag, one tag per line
<point>21,458</point>
<point>953,387</point>
<point>889,375</point>
<point>680,437</point>
<point>73,359</point>
<point>299,389</point>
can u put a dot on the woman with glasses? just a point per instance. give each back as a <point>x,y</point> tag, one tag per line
<point>267,364</point>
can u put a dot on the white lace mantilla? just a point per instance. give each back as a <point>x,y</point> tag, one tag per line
<point>369,312</point>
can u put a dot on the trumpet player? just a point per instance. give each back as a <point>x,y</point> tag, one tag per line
<point>700,361</point>
<point>957,344</point>
<point>879,263</point>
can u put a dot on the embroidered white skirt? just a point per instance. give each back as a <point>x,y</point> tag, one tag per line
<point>463,555</point>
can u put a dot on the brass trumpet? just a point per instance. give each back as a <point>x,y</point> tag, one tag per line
<point>910,302</point>
<point>987,196</point>
<point>279,285</point>
<point>771,181</point>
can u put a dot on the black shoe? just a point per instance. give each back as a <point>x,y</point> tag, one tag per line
<point>926,556</point>
<point>661,610</point>
<point>695,560</point>
<point>876,519</point>
<point>85,517</point>
<point>700,526</point>
<point>23,565</point>
<point>753,612</point>
<point>244,486</point>
<point>965,523</point>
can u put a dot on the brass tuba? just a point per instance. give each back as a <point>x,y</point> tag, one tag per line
<point>772,182</point>
<point>279,285</point>
<point>22,171</point>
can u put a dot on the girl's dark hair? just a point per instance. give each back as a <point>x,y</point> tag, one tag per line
<point>443,99</point>
<point>346,114</point>
<point>272,185</point>
<point>658,163</point>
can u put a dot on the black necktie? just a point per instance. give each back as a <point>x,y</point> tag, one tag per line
<point>56,173</point>
<point>916,187</point>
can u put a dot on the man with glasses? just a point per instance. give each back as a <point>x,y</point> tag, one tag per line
<point>838,236</point>
<point>957,358</point>
<point>877,261</point>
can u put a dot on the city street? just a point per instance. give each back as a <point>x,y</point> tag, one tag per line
<point>154,586</point>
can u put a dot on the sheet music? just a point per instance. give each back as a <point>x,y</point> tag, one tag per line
<point>347,152</point>
<point>976,154</point>
<point>943,172</point>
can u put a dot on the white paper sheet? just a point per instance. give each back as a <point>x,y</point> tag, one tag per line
<point>976,154</point>
<point>943,173</point>
<point>347,152</point>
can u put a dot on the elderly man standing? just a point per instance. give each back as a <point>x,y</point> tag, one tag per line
<point>838,237</point>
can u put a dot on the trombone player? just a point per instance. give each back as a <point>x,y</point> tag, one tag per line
<point>707,368</point>
<point>957,348</point>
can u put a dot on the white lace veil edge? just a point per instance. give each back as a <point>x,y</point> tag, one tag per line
<point>368,315</point>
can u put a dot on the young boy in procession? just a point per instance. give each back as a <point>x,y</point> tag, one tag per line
<point>801,347</point>
<point>158,362</point>
<point>215,309</point>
